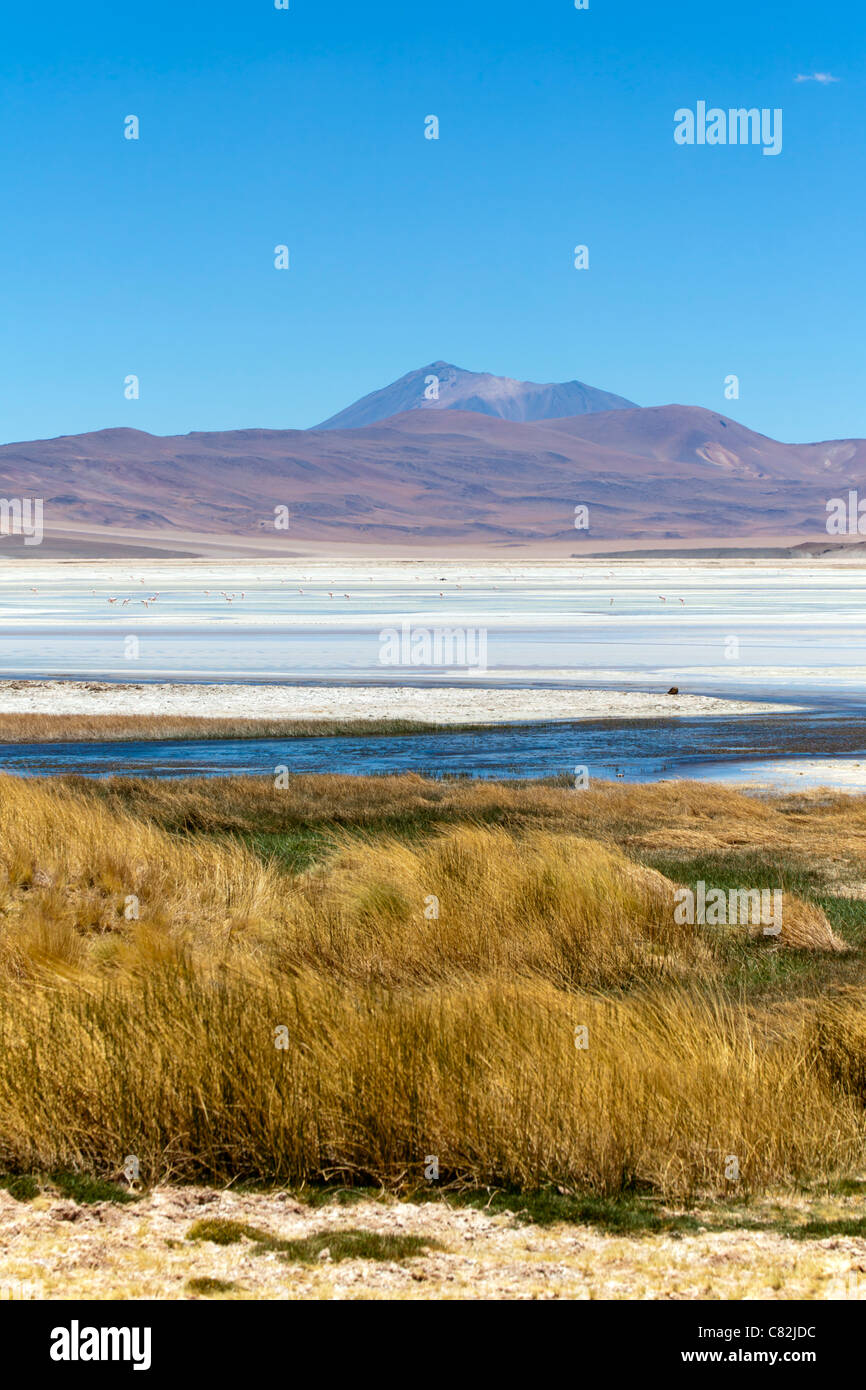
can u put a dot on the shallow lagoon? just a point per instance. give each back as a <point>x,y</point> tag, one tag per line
<point>633,750</point>
<point>758,630</point>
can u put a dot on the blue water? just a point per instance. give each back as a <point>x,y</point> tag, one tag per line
<point>634,750</point>
<point>784,633</point>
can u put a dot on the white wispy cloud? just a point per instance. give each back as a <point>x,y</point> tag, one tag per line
<point>816,77</point>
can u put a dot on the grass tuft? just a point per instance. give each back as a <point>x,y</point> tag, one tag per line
<point>240,985</point>
<point>221,1231</point>
<point>23,1187</point>
<point>336,1245</point>
<point>356,1245</point>
<point>206,1285</point>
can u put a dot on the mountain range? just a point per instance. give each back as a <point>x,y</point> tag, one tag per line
<point>442,386</point>
<point>502,477</point>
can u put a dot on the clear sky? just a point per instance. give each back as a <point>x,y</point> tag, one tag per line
<point>305,127</point>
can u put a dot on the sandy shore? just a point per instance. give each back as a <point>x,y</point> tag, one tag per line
<point>445,705</point>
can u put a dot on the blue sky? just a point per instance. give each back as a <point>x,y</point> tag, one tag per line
<point>306,127</point>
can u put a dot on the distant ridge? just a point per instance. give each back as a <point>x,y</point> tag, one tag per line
<point>660,477</point>
<point>442,386</point>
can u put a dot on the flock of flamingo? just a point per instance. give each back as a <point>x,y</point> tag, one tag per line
<point>230,598</point>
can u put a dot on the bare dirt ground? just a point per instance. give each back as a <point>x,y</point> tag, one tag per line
<point>53,1248</point>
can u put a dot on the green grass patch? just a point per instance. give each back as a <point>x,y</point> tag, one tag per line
<point>224,1232</point>
<point>293,850</point>
<point>854,1226</point>
<point>341,1245</point>
<point>22,1186</point>
<point>849,1187</point>
<point>356,1245</point>
<point>206,1285</point>
<point>81,1188</point>
<point>754,963</point>
<point>641,1214</point>
<point>627,1215</point>
<point>78,1187</point>
<point>739,868</point>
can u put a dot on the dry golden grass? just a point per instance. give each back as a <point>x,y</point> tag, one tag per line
<point>405,1035</point>
<point>561,908</point>
<point>86,885</point>
<point>688,817</point>
<point>183,1071</point>
<point>805,927</point>
<point>839,1040</point>
<point>70,869</point>
<point>72,728</point>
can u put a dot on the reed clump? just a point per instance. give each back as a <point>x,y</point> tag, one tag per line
<point>516,1000</point>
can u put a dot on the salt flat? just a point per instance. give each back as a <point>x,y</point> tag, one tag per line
<point>430,704</point>
<point>790,774</point>
<point>751,629</point>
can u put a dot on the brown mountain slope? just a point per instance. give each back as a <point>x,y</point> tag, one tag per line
<point>428,478</point>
